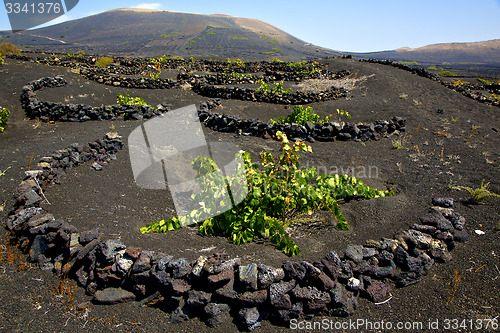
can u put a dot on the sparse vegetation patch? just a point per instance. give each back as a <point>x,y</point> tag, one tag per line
<point>104,61</point>
<point>4,115</point>
<point>447,73</point>
<point>9,48</point>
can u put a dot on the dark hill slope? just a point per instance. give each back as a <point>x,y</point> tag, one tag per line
<point>153,32</point>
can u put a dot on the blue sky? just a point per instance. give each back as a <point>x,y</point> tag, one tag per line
<point>357,26</point>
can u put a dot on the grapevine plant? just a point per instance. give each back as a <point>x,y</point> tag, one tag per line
<point>278,88</point>
<point>277,193</point>
<point>4,115</point>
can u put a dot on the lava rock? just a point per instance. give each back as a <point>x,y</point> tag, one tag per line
<point>179,268</point>
<point>344,303</point>
<point>294,270</point>
<point>254,298</point>
<point>250,318</point>
<point>378,291</point>
<point>443,202</point>
<point>269,275</point>
<point>278,294</point>
<point>198,298</point>
<point>248,276</point>
<point>112,247</point>
<point>439,251</point>
<point>39,247</point>
<point>461,236</point>
<point>113,296</point>
<point>143,263</point>
<point>216,314</point>
<point>333,264</point>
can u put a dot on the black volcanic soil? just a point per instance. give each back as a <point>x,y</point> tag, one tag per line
<point>111,201</point>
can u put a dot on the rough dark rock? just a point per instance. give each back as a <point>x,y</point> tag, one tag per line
<point>39,247</point>
<point>198,298</point>
<point>248,276</point>
<point>333,264</point>
<point>113,296</point>
<point>378,291</point>
<point>443,202</point>
<point>344,303</point>
<point>294,270</point>
<point>278,294</point>
<point>216,314</point>
<point>268,275</point>
<point>179,268</point>
<point>250,318</point>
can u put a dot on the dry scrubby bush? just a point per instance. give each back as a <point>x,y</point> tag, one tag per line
<point>104,61</point>
<point>9,48</point>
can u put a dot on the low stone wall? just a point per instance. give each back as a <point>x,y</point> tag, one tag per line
<point>216,287</point>
<point>254,95</point>
<point>50,111</point>
<point>45,111</point>
<point>330,131</point>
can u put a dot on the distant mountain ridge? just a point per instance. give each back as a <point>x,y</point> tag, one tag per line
<point>486,53</point>
<point>147,32</point>
<point>143,32</point>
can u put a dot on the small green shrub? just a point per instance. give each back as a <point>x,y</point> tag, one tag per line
<point>278,88</point>
<point>478,195</point>
<point>399,142</point>
<point>296,64</point>
<point>104,61</point>
<point>408,63</point>
<point>237,62</point>
<point>2,61</point>
<point>9,48</point>
<point>4,115</point>
<point>487,82</point>
<point>277,194</point>
<point>300,116</point>
<point>165,59</point>
<point>169,35</point>
<point>154,76</point>
<point>127,100</point>
<point>447,73</point>
<point>434,68</point>
<point>277,49</point>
